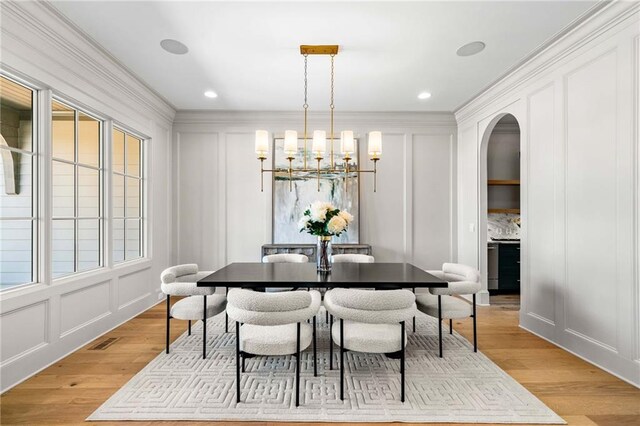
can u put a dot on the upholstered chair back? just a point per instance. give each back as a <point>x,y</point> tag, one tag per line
<point>285,258</point>
<point>251,307</point>
<point>462,279</point>
<point>372,307</point>
<point>352,258</point>
<point>181,280</point>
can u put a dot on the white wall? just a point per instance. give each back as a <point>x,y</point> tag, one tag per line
<point>222,217</point>
<point>577,106</point>
<point>43,322</point>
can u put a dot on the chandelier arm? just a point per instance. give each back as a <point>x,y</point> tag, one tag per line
<point>261,174</point>
<point>319,158</point>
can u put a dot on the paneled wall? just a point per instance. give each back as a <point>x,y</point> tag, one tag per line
<point>221,216</point>
<point>577,106</point>
<point>43,322</point>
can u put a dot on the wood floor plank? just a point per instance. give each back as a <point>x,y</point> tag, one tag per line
<point>70,390</point>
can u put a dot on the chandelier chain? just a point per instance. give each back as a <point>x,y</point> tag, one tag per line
<point>305,105</point>
<point>332,75</point>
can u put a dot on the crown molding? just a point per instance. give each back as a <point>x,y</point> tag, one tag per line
<point>591,25</point>
<point>295,118</point>
<point>50,36</point>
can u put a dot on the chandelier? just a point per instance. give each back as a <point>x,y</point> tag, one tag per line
<point>319,139</point>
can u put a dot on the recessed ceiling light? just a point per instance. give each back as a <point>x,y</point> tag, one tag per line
<point>472,48</point>
<point>210,94</point>
<point>424,95</point>
<point>174,46</point>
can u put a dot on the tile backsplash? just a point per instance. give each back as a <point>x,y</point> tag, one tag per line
<point>503,226</point>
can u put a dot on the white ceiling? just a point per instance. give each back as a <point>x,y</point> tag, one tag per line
<point>390,51</point>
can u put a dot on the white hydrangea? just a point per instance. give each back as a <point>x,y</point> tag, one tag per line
<point>303,223</point>
<point>348,217</point>
<point>319,210</point>
<point>336,225</point>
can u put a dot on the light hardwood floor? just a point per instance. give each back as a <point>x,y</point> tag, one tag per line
<point>70,390</point>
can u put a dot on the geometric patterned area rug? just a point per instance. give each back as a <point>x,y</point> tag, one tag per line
<point>462,387</point>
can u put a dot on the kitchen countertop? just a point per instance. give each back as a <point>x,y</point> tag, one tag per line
<point>503,241</point>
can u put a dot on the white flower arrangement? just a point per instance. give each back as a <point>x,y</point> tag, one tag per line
<point>324,219</point>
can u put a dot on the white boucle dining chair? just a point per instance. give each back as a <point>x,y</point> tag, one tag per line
<point>200,303</point>
<point>283,258</point>
<point>371,321</point>
<point>348,258</point>
<point>352,258</point>
<point>445,303</point>
<point>272,324</point>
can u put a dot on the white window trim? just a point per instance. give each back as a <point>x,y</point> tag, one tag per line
<point>101,218</point>
<point>142,218</point>
<point>36,183</point>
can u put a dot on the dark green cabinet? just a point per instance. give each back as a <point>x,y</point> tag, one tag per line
<point>509,268</point>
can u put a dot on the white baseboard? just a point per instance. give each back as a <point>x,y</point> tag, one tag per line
<point>637,385</point>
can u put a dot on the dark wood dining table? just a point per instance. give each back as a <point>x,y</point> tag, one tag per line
<point>301,275</point>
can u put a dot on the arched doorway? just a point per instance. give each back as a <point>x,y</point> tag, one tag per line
<point>501,209</point>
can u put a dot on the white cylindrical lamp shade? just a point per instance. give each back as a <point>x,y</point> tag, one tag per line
<point>262,143</point>
<point>375,144</point>
<point>319,145</point>
<point>348,143</point>
<point>290,142</point>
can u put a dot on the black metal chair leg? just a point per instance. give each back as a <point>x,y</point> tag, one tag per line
<point>226,316</point>
<point>326,315</point>
<point>168,321</point>
<point>475,337</point>
<point>189,327</point>
<point>414,318</point>
<point>243,359</point>
<point>341,359</point>
<point>450,326</point>
<point>237,362</point>
<point>315,355</point>
<point>440,324</point>
<point>402,362</point>
<point>204,329</point>
<point>298,365</point>
<point>330,342</point>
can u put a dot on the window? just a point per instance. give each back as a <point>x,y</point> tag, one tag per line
<point>77,188</point>
<point>127,182</point>
<point>17,185</point>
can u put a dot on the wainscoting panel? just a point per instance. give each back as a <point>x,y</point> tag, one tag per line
<point>382,213</point>
<point>541,285</point>
<point>591,215</point>
<point>23,330</point>
<point>197,171</point>
<point>248,219</point>
<point>432,165</point>
<point>80,307</point>
<point>134,287</point>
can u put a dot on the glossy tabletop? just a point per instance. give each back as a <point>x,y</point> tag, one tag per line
<point>354,275</point>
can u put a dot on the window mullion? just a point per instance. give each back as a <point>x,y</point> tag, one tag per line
<point>107,197</point>
<point>124,212</point>
<point>76,192</point>
<point>45,186</point>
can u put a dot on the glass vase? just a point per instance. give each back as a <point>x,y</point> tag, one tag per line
<point>323,254</point>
